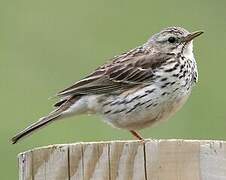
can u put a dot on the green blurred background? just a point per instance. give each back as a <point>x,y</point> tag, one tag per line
<point>46,45</point>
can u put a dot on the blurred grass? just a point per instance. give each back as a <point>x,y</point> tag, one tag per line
<point>46,45</point>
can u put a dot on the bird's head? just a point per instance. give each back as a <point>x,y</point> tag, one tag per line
<point>173,40</point>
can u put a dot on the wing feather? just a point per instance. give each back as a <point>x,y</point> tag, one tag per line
<point>125,72</point>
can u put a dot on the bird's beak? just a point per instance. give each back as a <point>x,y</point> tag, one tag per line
<point>191,36</point>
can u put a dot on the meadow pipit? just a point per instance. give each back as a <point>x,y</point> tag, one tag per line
<point>135,89</point>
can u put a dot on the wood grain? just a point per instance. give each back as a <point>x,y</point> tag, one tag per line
<point>126,160</point>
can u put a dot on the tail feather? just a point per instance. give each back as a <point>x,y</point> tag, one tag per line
<point>35,126</point>
<point>58,113</point>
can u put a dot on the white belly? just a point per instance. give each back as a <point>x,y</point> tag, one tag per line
<point>145,111</point>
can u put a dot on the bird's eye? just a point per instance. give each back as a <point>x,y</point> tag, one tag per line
<point>172,39</point>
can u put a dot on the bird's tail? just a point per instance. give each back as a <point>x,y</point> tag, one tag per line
<point>61,111</point>
<point>35,126</point>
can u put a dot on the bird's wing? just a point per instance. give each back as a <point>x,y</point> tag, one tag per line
<point>127,70</point>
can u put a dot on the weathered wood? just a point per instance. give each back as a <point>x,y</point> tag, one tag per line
<point>126,160</point>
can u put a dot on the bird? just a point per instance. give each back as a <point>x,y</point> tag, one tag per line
<point>134,90</point>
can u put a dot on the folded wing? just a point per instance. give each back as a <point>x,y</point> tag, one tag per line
<point>122,73</point>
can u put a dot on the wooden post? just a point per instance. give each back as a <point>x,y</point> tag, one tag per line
<point>126,160</point>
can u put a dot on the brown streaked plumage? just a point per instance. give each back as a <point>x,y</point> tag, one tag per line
<point>123,73</point>
<point>137,88</point>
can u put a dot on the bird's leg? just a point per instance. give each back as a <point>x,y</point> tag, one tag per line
<point>137,135</point>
